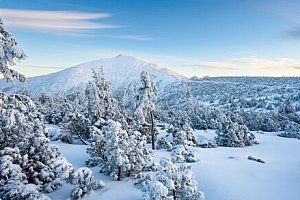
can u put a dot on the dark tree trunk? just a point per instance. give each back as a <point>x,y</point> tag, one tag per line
<point>119,173</point>
<point>174,195</point>
<point>152,129</point>
<point>82,140</point>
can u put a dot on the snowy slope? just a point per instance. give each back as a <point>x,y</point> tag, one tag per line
<point>119,71</point>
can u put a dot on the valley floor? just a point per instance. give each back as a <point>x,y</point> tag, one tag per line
<point>222,173</point>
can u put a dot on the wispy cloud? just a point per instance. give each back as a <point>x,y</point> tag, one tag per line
<point>212,65</point>
<point>250,63</point>
<point>55,21</point>
<point>69,23</point>
<point>259,63</point>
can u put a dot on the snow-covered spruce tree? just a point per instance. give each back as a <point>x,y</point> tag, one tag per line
<point>97,148</point>
<point>117,162</point>
<point>118,153</point>
<point>179,181</point>
<point>10,53</point>
<point>101,103</point>
<point>21,129</point>
<point>145,106</point>
<point>91,101</point>
<point>188,185</point>
<point>139,154</point>
<point>231,134</point>
<point>84,182</point>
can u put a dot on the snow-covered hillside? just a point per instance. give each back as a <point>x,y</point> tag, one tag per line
<point>119,71</point>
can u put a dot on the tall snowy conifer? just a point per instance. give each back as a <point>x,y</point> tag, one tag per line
<point>146,98</point>
<point>106,104</point>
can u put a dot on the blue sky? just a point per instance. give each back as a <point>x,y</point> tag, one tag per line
<point>193,37</point>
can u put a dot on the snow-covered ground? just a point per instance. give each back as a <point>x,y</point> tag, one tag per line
<point>227,174</point>
<point>222,173</point>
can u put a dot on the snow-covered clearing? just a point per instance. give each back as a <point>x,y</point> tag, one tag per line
<point>226,173</point>
<point>222,173</point>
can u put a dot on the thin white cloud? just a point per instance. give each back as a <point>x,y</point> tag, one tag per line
<point>54,21</point>
<point>58,15</point>
<point>258,63</point>
<point>70,23</point>
<point>212,65</point>
<point>251,63</point>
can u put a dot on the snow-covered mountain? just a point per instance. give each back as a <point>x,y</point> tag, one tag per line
<point>119,71</point>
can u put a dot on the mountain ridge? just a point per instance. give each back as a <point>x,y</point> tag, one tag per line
<point>119,71</point>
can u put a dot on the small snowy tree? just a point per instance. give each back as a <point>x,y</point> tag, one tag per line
<point>181,153</point>
<point>155,190</point>
<point>91,101</point>
<point>164,143</point>
<point>188,186</point>
<point>118,153</point>
<point>180,181</point>
<point>84,180</point>
<point>116,161</point>
<point>232,134</point>
<point>139,154</point>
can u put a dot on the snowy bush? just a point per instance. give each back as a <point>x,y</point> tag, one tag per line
<point>118,153</point>
<point>13,182</point>
<point>78,127</point>
<point>23,139</point>
<point>292,130</point>
<point>138,153</point>
<point>84,180</point>
<point>173,182</point>
<point>142,179</point>
<point>188,186</point>
<point>203,143</point>
<point>164,143</point>
<point>231,134</point>
<point>181,153</point>
<point>156,191</point>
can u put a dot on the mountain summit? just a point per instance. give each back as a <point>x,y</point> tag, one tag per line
<point>119,71</point>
